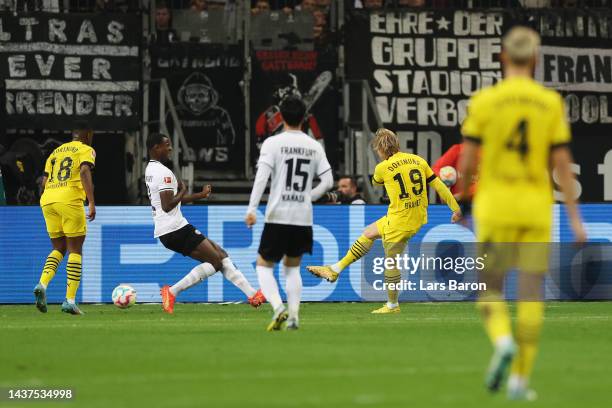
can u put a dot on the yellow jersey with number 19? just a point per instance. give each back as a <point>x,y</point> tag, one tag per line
<point>405,177</point>
<point>517,122</point>
<point>63,172</point>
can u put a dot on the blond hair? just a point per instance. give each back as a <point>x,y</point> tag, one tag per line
<point>521,44</point>
<point>385,141</point>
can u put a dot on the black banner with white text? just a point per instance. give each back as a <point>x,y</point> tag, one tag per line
<point>204,81</point>
<point>57,69</point>
<point>423,66</point>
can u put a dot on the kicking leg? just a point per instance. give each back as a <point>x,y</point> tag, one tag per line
<point>48,272</point>
<point>234,275</point>
<point>210,260</point>
<point>357,251</point>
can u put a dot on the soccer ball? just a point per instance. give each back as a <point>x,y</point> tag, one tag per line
<point>124,296</point>
<point>448,175</point>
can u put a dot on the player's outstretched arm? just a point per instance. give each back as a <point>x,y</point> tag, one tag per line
<point>87,182</point>
<point>448,198</point>
<point>561,159</point>
<point>261,179</point>
<point>169,200</point>
<point>205,193</point>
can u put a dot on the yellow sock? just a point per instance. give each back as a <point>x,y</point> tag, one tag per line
<point>494,311</point>
<point>51,264</point>
<point>355,252</point>
<point>528,328</point>
<point>73,272</point>
<point>392,276</point>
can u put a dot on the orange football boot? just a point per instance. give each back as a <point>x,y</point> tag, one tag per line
<point>257,299</point>
<point>168,299</point>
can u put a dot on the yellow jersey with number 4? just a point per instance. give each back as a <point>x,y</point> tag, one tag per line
<point>63,172</point>
<point>405,177</point>
<point>517,122</point>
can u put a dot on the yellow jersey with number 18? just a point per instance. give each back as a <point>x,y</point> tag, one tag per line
<point>63,172</point>
<point>405,177</point>
<point>517,122</point>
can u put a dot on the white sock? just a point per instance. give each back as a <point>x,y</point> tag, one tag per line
<point>232,274</point>
<point>293,289</point>
<point>268,285</point>
<point>392,305</point>
<point>195,276</point>
<point>517,382</point>
<point>504,341</point>
<point>71,301</point>
<point>336,267</point>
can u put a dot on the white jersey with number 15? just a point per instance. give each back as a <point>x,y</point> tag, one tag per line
<point>295,160</point>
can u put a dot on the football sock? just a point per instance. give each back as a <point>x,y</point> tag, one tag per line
<point>496,318</point>
<point>392,276</point>
<point>530,316</point>
<point>195,276</point>
<point>293,289</point>
<point>51,264</point>
<point>356,251</point>
<point>268,285</point>
<point>73,274</point>
<point>233,274</point>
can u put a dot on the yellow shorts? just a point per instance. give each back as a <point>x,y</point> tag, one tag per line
<point>65,219</point>
<point>390,234</point>
<point>509,247</point>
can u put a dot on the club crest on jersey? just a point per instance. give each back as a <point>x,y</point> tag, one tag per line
<point>167,180</point>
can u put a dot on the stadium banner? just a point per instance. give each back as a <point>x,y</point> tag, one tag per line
<point>204,81</point>
<point>310,74</point>
<point>58,69</point>
<point>120,249</point>
<point>576,59</point>
<point>423,66</point>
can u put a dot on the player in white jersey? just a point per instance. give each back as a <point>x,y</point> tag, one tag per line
<point>166,194</point>
<point>294,160</point>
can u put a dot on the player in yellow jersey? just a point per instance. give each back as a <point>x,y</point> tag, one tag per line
<point>67,182</point>
<point>521,130</point>
<point>405,177</point>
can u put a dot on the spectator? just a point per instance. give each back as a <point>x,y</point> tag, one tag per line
<point>164,33</point>
<point>260,7</point>
<point>346,192</point>
<point>307,5</point>
<point>199,6</point>
<point>320,18</point>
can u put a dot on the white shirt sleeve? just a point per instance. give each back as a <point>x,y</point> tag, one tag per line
<point>326,183</point>
<point>163,179</point>
<point>325,174</point>
<point>323,165</point>
<point>266,155</point>
<point>261,179</point>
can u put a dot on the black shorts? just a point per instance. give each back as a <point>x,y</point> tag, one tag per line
<point>278,240</point>
<point>183,240</point>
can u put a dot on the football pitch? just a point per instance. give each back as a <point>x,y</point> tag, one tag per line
<point>430,355</point>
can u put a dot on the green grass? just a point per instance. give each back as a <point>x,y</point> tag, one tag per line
<point>430,355</point>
